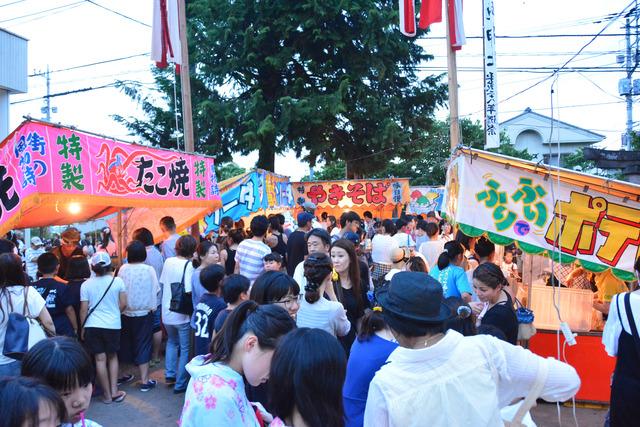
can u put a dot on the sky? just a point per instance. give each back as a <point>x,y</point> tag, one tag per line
<point>68,33</point>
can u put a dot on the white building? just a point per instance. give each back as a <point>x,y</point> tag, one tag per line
<point>13,73</point>
<point>532,131</point>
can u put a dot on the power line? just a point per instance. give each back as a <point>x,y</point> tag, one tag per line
<point>43,11</point>
<point>118,13</point>
<point>85,89</point>
<point>533,36</point>
<point>106,61</point>
<point>595,36</point>
<point>14,2</point>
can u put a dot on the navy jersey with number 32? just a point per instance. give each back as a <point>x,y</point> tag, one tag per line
<point>204,315</point>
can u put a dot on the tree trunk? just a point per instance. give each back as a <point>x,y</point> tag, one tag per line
<point>267,156</point>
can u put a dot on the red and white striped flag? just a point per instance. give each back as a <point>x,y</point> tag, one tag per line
<point>407,17</point>
<point>430,13</point>
<point>456,27</point>
<point>165,33</point>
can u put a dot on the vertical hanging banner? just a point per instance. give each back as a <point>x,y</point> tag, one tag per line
<point>491,128</point>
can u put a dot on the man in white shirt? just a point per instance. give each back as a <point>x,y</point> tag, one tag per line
<point>403,236</point>
<point>31,257</point>
<point>250,252</point>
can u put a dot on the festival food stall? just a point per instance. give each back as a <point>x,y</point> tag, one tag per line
<point>251,193</point>
<point>384,198</point>
<point>56,175</point>
<point>569,217</point>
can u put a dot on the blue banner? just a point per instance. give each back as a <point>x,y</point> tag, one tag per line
<point>238,202</point>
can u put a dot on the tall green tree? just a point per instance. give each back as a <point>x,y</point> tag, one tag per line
<point>427,164</point>
<point>332,78</point>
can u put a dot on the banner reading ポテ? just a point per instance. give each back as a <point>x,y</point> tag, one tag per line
<point>599,229</point>
<point>52,175</point>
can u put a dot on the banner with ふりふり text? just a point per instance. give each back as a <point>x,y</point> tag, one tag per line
<point>510,204</point>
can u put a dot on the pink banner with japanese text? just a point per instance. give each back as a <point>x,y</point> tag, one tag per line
<point>352,193</point>
<point>66,175</point>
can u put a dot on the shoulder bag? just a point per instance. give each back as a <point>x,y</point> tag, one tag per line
<point>180,300</point>
<point>22,333</point>
<point>99,301</point>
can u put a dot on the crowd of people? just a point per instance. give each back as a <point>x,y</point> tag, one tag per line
<point>340,322</point>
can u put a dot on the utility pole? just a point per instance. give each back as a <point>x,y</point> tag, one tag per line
<point>48,99</point>
<point>185,83</point>
<point>627,86</point>
<point>452,71</point>
<point>629,94</point>
<point>47,109</point>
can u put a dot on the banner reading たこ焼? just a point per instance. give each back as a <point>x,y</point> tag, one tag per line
<point>67,175</point>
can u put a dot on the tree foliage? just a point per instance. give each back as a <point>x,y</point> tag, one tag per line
<point>333,78</point>
<point>228,170</point>
<point>427,164</point>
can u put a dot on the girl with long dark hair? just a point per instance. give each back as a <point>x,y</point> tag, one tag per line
<point>348,287</point>
<point>489,283</point>
<point>240,352</point>
<point>306,377</point>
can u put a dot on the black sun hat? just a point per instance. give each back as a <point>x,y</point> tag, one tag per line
<point>414,296</point>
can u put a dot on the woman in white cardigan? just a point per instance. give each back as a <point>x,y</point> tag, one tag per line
<point>316,311</point>
<point>449,379</point>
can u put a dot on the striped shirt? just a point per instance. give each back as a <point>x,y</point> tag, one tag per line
<point>323,314</point>
<point>249,257</point>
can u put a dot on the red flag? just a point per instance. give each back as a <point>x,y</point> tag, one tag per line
<point>430,12</point>
<point>407,17</point>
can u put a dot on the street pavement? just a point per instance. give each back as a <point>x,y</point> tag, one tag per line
<point>160,407</point>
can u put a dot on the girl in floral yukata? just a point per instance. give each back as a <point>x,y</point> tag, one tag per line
<point>241,351</point>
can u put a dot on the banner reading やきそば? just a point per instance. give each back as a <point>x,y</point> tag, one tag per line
<point>67,176</point>
<point>600,230</point>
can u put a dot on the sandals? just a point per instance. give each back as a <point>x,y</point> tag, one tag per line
<point>117,399</point>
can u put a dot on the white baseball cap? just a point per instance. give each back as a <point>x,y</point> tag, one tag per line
<point>101,258</point>
<point>36,241</point>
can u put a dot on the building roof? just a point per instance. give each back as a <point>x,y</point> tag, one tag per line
<point>528,112</point>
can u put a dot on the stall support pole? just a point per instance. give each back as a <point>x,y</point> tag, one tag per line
<point>119,223</point>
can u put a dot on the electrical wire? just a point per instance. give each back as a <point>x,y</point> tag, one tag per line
<point>13,2</point>
<point>76,67</point>
<point>78,3</point>
<point>86,89</point>
<point>118,13</point>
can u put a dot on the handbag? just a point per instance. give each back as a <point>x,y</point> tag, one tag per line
<point>525,318</point>
<point>180,300</point>
<point>530,401</point>
<point>22,333</point>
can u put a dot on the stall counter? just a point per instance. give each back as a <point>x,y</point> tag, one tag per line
<point>588,357</point>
